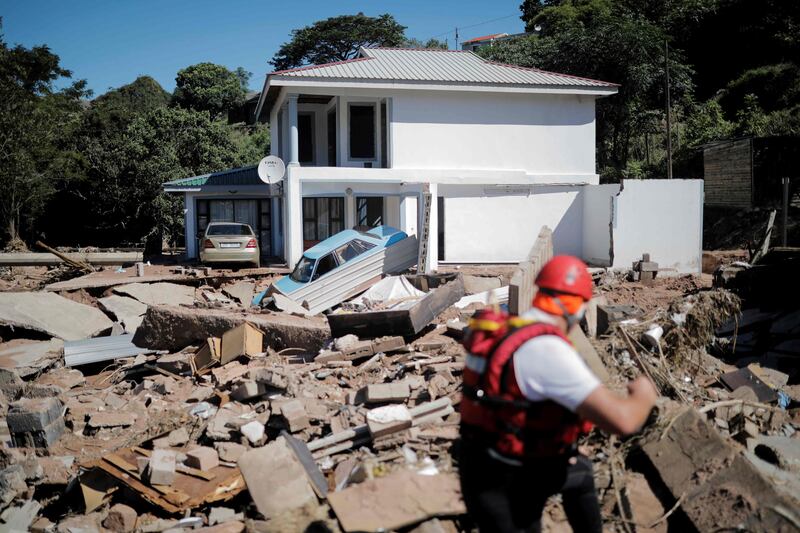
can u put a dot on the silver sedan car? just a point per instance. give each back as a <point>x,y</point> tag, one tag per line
<point>229,242</point>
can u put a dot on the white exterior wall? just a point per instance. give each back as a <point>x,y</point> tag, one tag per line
<point>597,211</point>
<point>663,218</point>
<point>481,227</point>
<point>541,134</point>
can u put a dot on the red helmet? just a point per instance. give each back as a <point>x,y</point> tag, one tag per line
<point>565,274</point>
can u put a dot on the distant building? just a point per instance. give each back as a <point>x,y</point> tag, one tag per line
<point>488,40</point>
<point>747,172</point>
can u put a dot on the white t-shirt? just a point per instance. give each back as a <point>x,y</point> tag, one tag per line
<point>547,368</point>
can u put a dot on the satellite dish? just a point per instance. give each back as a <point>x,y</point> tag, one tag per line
<point>271,169</point>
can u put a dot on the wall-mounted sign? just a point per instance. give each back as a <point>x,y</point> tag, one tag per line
<point>271,169</point>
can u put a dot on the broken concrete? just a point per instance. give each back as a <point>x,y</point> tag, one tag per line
<point>27,357</point>
<point>241,291</point>
<point>386,392</point>
<point>159,293</point>
<point>173,328</point>
<point>400,499</point>
<point>120,519</point>
<point>610,315</point>
<point>52,314</point>
<point>128,311</point>
<point>693,459</point>
<point>275,478</point>
<point>35,422</point>
<point>162,467</point>
<point>202,458</point>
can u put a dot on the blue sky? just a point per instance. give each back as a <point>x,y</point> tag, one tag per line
<point>111,42</point>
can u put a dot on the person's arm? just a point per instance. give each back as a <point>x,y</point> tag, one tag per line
<point>617,414</point>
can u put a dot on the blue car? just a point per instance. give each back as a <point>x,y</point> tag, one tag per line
<point>333,252</point>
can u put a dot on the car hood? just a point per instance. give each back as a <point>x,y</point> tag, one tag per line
<point>286,285</point>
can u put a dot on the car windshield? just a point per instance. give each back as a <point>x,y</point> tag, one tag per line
<point>237,230</point>
<point>302,271</point>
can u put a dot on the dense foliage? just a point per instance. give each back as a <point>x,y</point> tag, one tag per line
<point>733,67</point>
<point>82,172</point>
<point>337,39</point>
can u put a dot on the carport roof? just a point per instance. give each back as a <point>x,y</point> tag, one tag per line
<point>225,178</point>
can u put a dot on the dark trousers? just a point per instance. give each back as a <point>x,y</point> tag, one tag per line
<point>509,498</point>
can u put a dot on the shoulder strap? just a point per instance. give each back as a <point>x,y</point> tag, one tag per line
<point>502,353</point>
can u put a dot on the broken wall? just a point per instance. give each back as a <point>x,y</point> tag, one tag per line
<point>661,217</point>
<point>598,201</point>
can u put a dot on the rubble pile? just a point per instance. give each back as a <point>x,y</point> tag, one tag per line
<point>202,412</point>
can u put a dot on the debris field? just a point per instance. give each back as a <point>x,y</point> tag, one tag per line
<point>168,402</point>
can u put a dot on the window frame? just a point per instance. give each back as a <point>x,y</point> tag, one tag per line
<point>312,132</point>
<point>315,200</point>
<point>375,127</point>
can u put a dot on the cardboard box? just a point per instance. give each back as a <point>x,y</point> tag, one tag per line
<point>241,340</point>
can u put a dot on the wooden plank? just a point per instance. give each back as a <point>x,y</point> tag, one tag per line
<point>186,492</point>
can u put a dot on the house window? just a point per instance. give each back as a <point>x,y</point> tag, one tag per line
<point>440,225</point>
<point>384,137</point>
<point>332,138</point>
<point>369,211</point>
<point>305,134</point>
<point>322,217</point>
<point>362,131</point>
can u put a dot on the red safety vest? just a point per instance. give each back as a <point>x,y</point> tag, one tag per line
<point>493,408</point>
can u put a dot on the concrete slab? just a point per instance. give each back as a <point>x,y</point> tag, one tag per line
<point>159,293</point>
<point>129,311</point>
<point>275,478</point>
<point>27,357</point>
<point>52,314</point>
<point>400,499</point>
<point>174,328</point>
<point>242,291</point>
<point>723,489</point>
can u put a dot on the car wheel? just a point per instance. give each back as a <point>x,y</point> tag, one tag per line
<point>257,264</point>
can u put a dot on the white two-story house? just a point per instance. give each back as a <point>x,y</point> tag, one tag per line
<point>500,149</point>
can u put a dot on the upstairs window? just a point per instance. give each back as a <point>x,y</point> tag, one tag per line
<point>362,131</point>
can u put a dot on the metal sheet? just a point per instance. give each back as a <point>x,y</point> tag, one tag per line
<point>101,349</point>
<point>449,66</point>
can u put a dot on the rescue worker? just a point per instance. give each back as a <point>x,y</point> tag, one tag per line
<point>528,397</point>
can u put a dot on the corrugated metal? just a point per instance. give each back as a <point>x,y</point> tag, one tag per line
<point>339,285</point>
<point>100,349</point>
<point>234,176</point>
<point>449,66</point>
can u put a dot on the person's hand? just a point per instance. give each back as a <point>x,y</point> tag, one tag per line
<point>643,390</point>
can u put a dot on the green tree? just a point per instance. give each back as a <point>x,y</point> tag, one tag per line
<point>751,119</point>
<point>163,145</point>
<point>34,117</point>
<point>604,40</point>
<point>114,110</point>
<point>337,39</point>
<point>707,123</point>
<point>429,44</point>
<point>244,78</point>
<point>210,88</point>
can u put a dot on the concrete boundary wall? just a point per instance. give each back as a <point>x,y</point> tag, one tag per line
<point>521,288</point>
<point>661,217</point>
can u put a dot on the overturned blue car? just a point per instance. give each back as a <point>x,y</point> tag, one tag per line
<point>371,254</point>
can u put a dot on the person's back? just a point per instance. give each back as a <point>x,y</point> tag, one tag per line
<point>528,397</point>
